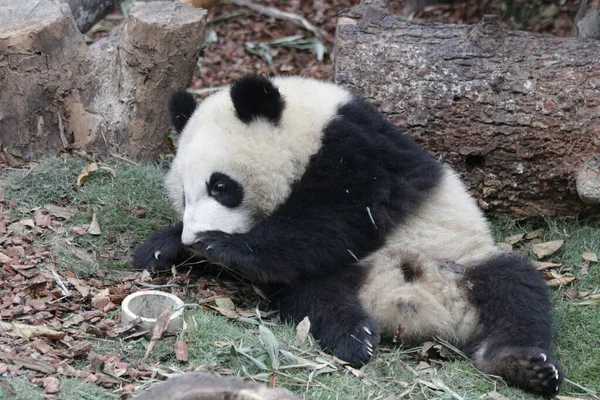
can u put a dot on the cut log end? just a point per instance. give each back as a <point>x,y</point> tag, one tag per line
<point>588,182</point>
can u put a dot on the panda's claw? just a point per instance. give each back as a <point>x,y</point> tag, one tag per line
<point>367,330</point>
<point>157,254</point>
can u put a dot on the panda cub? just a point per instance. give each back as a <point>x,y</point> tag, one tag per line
<point>304,188</point>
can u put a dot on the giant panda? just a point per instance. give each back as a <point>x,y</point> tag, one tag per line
<point>304,188</point>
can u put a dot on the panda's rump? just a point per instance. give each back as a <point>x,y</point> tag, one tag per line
<point>415,298</point>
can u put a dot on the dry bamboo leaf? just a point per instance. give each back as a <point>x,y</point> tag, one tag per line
<point>591,257</point>
<point>31,331</point>
<point>542,250</point>
<point>225,303</point>
<point>94,228</point>
<point>181,350</point>
<point>560,281</point>
<point>568,398</point>
<point>302,331</point>
<point>541,265</point>
<point>109,170</point>
<point>514,239</point>
<point>85,173</point>
<point>59,212</point>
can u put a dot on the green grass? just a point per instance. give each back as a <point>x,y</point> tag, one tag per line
<point>392,371</point>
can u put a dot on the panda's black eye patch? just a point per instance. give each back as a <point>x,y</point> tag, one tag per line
<point>225,190</point>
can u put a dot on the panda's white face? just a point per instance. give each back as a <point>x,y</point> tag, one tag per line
<point>258,160</point>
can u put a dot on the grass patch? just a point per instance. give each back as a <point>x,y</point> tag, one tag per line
<point>213,339</point>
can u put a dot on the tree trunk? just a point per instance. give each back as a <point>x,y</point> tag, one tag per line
<point>517,113</point>
<point>587,21</point>
<point>58,93</point>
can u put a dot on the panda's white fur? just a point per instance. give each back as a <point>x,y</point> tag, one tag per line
<point>436,273</point>
<point>448,228</point>
<point>268,160</point>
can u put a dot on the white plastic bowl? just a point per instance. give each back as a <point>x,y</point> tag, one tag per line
<point>148,305</point>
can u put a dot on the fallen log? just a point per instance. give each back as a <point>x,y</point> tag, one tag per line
<point>517,113</point>
<point>58,93</point>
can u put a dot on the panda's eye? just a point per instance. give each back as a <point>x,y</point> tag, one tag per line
<point>217,188</point>
<point>225,190</point>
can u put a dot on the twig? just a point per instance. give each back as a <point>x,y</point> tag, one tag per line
<point>123,159</point>
<point>60,283</point>
<point>276,13</point>
<point>207,90</point>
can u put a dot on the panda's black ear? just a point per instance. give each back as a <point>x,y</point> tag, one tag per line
<point>255,96</point>
<point>181,108</point>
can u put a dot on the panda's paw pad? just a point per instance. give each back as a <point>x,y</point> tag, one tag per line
<point>535,370</point>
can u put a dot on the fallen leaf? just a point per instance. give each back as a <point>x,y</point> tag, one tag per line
<point>85,173</point>
<point>591,257</point>
<point>162,322</point>
<point>221,343</point>
<point>31,331</point>
<point>181,350</point>
<point>534,234</point>
<point>541,265</point>
<point>514,239</point>
<point>542,250</point>
<point>560,281</point>
<point>4,258</point>
<point>302,331</point>
<point>101,299</point>
<point>109,170</point>
<point>496,396</point>
<point>225,303</point>
<point>568,398</point>
<point>58,211</point>
<point>51,384</point>
<point>94,228</point>
<point>81,287</point>
<point>29,363</point>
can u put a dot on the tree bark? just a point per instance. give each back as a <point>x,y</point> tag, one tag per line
<point>587,21</point>
<point>57,93</point>
<point>87,12</point>
<point>517,113</point>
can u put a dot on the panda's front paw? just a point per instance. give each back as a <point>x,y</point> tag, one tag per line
<point>226,249</point>
<point>161,251</point>
<point>354,344</point>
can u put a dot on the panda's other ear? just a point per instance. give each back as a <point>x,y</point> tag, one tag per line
<point>181,108</point>
<point>255,96</point>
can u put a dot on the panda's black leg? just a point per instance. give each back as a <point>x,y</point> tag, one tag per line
<point>338,321</point>
<point>515,333</point>
<point>161,250</point>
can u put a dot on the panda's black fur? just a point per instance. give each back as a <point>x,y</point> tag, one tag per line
<point>321,247</point>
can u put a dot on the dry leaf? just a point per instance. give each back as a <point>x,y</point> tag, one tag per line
<point>568,398</point>
<point>85,173</point>
<point>109,170</point>
<point>302,331</point>
<point>162,322</point>
<point>541,265</point>
<point>101,299</point>
<point>51,384</point>
<point>560,281</point>
<point>181,350</point>
<point>542,250</point>
<point>59,212</point>
<point>221,343</point>
<point>31,331</point>
<point>94,228</point>
<point>591,257</point>
<point>80,286</point>
<point>496,396</point>
<point>29,363</point>
<point>514,239</point>
<point>534,234</point>
<point>225,303</point>
<point>4,258</point>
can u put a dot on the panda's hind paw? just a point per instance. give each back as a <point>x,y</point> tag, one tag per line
<point>529,368</point>
<point>357,344</point>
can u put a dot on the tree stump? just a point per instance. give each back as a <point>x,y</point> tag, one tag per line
<point>517,113</point>
<point>58,93</point>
